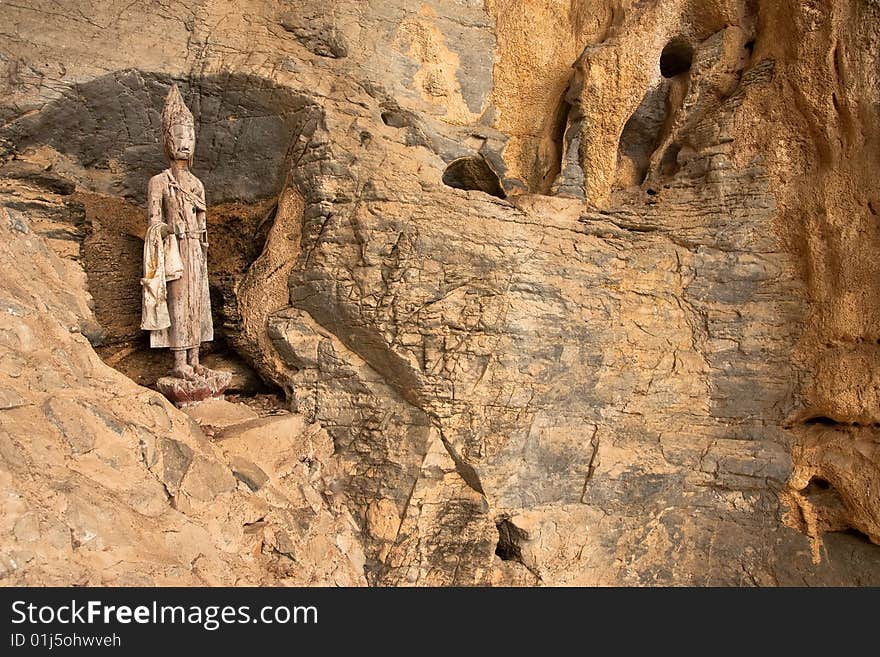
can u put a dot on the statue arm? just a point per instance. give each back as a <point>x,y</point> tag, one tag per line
<point>154,202</point>
<point>154,206</point>
<point>202,215</point>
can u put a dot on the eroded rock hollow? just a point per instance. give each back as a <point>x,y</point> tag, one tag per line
<point>547,293</point>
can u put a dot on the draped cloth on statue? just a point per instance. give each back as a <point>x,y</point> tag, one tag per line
<point>181,205</point>
<point>154,307</point>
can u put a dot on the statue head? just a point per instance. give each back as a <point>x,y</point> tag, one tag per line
<point>178,128</point>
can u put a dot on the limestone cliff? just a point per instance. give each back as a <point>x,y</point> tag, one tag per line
<point>555,291</point>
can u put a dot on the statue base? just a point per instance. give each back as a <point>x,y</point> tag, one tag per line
<point>183,392</point>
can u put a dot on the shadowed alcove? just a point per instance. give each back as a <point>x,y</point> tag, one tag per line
<point>106,134</point>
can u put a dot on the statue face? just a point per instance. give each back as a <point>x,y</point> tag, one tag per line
<point>181,143</point>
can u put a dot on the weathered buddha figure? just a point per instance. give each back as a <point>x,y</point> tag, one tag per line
<point>176,301</point>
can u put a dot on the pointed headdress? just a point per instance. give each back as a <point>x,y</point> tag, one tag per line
<point>175,113</point>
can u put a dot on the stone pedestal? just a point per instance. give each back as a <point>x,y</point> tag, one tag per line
<point>184,391</point>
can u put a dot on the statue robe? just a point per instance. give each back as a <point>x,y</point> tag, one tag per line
<point>187,301</point>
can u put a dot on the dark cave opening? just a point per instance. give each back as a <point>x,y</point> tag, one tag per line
<point>509,537</point>
<point>554,164</point>
<point>829,509</point>
<point>822,420</point>
<point>473,173</point>
<point>816,484</point>
<point>857,535</point>
<point>669,162</point>
<point>641,136</point>
<point>676,58</point>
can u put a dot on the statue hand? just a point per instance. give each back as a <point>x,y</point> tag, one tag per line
<point>165,229</point>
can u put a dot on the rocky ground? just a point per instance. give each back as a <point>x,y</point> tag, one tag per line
<point>514,293</point>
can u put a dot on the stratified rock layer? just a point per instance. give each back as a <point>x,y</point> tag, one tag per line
<point>573,293</point>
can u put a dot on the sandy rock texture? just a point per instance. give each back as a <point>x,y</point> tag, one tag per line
<point>105,482</point>
<point>558,293</point>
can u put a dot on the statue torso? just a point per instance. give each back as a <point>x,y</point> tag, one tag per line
<point>183,203</point>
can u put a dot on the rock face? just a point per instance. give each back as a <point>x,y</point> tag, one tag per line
<point>559,293</point>
<point>105,482</point>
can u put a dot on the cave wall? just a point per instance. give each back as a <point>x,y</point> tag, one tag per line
<point>582,292</point>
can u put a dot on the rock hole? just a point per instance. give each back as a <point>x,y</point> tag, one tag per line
<point>669,162</point>
<point>651,192</point>
<point>641,136</point>
<point>858,535</point>
<point>556,149</point>
<point>509,547</point>
<point>261,232</point>
<point>830,513</point>
<point>397,118</point>
<point>822,420</point>
<point>676,58</point>
<point>874,212</point>
<point>816,484</point>
<point>509,538</point>
<point>827,510</point>
<point>750,46</point>
<point>473,173</point>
